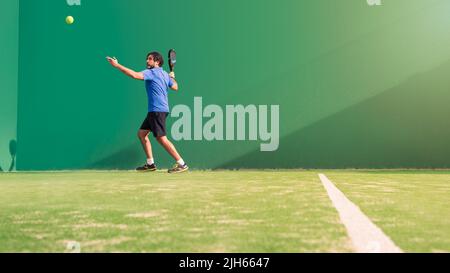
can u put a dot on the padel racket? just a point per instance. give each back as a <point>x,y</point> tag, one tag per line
<point>172,59</point>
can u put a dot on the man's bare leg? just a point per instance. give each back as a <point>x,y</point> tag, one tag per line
<point>143,137</point>
<point>150,164</point>
<point>181,166</point>
<point>169,147</point>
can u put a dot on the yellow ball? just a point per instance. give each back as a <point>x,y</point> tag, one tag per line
<point>69,20</point>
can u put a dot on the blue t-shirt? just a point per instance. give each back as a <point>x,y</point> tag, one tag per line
<point>157,82</point>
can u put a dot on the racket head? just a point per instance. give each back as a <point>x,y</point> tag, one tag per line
<point>172,59</point>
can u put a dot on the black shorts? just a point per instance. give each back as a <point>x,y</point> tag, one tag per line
<point>155,122</point>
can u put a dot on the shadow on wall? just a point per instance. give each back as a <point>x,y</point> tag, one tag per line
<point>124,159</point>
<point>404,127</point>
<point>12,152</point>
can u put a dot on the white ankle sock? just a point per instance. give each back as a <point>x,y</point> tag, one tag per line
<point>150,161</point>
<point>181,162</point>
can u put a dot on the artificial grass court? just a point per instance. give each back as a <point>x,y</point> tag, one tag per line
<point>217,211</point>
<point>412,207</point>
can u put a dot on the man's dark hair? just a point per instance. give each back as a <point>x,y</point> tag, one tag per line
<point>157,57</point>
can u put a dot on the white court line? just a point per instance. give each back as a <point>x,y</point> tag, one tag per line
<point>364,234</point>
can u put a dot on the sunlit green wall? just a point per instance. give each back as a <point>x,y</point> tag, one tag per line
<point>358,86</point>
<point>9,47</point>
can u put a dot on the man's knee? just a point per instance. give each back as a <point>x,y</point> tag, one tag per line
<point>142,134</point>
<point>161,140</point>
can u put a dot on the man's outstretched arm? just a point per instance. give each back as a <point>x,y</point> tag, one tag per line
<point>129,72</point>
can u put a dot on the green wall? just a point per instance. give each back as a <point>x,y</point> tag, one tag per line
<point>357,86</point>
<point>9,47</point>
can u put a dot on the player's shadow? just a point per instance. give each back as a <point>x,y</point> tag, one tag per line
<point>12,152</point>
